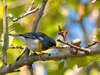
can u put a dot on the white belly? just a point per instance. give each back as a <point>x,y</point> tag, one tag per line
<point>33,44</point>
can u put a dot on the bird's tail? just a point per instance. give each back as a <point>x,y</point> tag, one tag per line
<point>15,35</point>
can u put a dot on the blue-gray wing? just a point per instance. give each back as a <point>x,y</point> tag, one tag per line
<point>33,35</point>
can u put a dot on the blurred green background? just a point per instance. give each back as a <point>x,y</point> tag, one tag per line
<point>55,13</point>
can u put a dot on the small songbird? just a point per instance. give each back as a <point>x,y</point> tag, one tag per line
<point>36,41</point>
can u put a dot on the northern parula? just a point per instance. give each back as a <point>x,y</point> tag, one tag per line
<point>36,41</point>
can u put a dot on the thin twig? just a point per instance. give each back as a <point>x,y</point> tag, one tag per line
<point>62,33</point>
<point>17,47</point>
<point>31,6</point>
<point>5,34</point>
<point>21,53</point>
<point>35,24</point>
<point>25,14</point>
<point>76,47</point>
<point>92,44</point>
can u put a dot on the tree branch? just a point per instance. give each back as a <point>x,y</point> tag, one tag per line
<point>44,57</point>
<point>5,33</point>
<point>92,44</point>
<point>35,24</point>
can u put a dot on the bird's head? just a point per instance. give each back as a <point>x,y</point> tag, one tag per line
<point>48,43</point>
<point>52,43</point>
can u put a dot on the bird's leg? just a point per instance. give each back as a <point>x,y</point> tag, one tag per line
<point>21,53</point>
